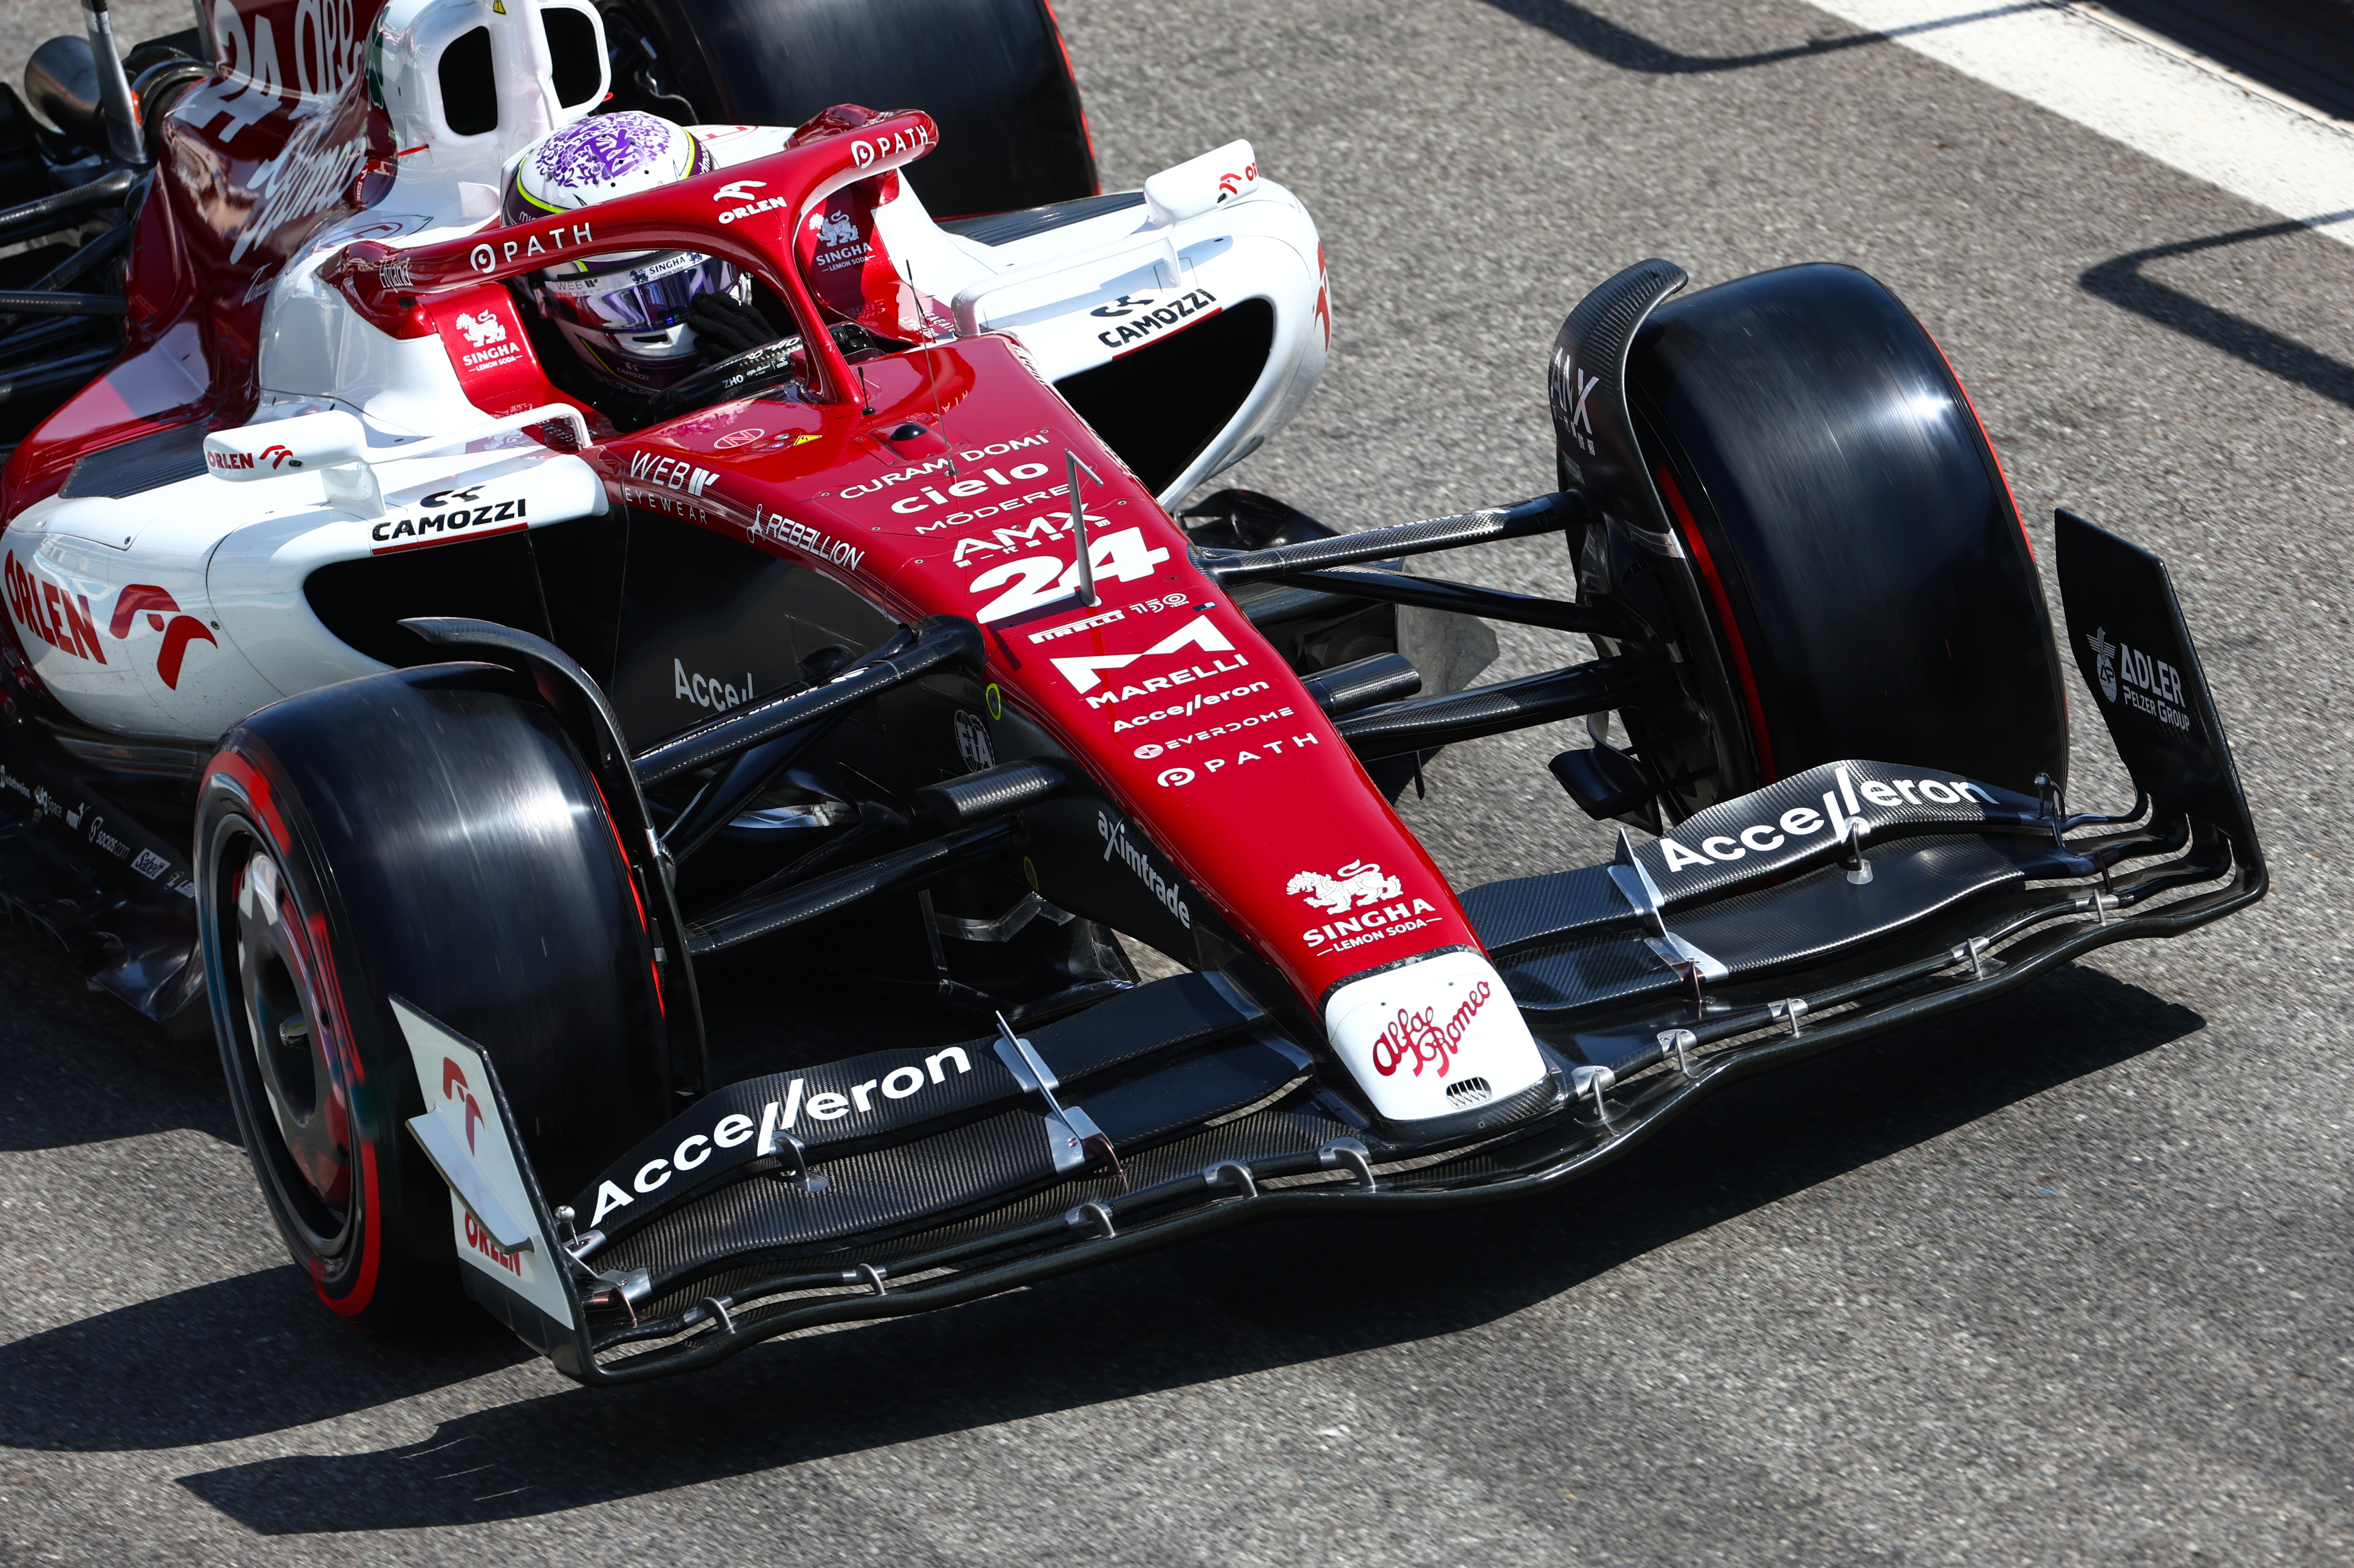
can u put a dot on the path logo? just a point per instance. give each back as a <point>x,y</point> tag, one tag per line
<point>2104,660</point>
<point>1357,884</point>
<point>178,632</point>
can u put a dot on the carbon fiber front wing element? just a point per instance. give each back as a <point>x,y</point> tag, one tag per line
<point>1844,900</point>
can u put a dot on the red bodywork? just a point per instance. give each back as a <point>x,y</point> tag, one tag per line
<point>1238,776</point>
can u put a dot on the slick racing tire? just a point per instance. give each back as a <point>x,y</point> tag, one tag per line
<point>1856,548</point>
<point>429,834</point>
<point>994,73</point>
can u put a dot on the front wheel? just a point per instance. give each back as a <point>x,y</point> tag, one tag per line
<point>1857,553</point>
<point>429,834</point>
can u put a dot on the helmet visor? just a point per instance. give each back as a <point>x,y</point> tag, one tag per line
<point>651,294</point>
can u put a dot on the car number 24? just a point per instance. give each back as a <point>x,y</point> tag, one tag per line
<point>1035,581</point>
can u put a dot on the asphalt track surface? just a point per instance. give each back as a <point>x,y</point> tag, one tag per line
<point>2063,1280</point>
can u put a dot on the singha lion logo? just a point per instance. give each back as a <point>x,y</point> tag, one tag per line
<point>1358,883</point>
<point>482,329</point>
<point>839,228</point>
<point>2104,660</point>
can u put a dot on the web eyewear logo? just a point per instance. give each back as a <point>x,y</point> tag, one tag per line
<point>2105,658</point>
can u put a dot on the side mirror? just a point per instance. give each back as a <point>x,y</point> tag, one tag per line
<point>335,443</point>
<point>1195,186</point>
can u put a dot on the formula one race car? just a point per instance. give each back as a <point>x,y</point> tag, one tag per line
<point>491,759</point>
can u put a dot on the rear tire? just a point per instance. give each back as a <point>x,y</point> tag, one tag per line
<point>428,833</point>
<point>1858,549</point>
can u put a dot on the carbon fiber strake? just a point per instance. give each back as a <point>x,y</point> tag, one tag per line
<point>936,1179</point>
<point>841,1105</point>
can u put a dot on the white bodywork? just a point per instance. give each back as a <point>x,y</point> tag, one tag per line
<point>220,627</point>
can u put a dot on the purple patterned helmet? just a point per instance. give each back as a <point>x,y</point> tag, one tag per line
<point>625,315</point>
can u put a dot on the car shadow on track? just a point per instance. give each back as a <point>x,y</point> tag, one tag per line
<point>1613,45</point>
<point>83,1069</point>
<point>1220,1309</point>
<point>2120,282</point>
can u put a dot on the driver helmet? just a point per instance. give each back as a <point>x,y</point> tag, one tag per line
<point>624,315</point>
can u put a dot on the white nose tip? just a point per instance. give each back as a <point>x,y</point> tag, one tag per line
<point>1435,1037</point>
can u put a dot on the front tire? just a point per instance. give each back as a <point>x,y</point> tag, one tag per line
<point>1859,554</point>
<point>432,834</point>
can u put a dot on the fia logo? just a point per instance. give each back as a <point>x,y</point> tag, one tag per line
<point>483,329</point>
<point>2104,660</point>
<point>972,742</point>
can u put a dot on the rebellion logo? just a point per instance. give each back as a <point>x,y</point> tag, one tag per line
<point>1415,1036</point>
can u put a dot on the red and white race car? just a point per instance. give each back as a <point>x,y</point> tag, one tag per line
<point>490,754</point>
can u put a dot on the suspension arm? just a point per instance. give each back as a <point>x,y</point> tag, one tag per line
<point>1426,723</point>
<point>1548,513</point>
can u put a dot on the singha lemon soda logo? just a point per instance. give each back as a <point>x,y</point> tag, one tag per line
<point>1355,886</point>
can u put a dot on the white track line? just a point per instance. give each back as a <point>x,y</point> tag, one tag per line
<point>2153,101</point>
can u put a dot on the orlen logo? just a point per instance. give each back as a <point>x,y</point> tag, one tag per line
<point>455,1088</point>
<point>1418,1037</point>
<point>272,457</point>
<point>178,632</point>
<point>1233,185</point>
<point>44,609</point>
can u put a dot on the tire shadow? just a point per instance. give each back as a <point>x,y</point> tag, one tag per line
<point>1222,1308</point>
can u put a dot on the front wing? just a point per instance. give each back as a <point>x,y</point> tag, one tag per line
<point>1849,899</point>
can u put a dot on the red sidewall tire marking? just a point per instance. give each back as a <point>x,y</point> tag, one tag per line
<point>1741,665</point>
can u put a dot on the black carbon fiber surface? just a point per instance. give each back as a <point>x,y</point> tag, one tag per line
<point>135,467</point>
<point>1804,920</point>
<point>950,1172</point>
<point>1765,833</point>
<point>1523,909</point>
<point>1264,1135</point>
<point>1585,386</point>
<point>1005,228</point>
<point>841,1105</point>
